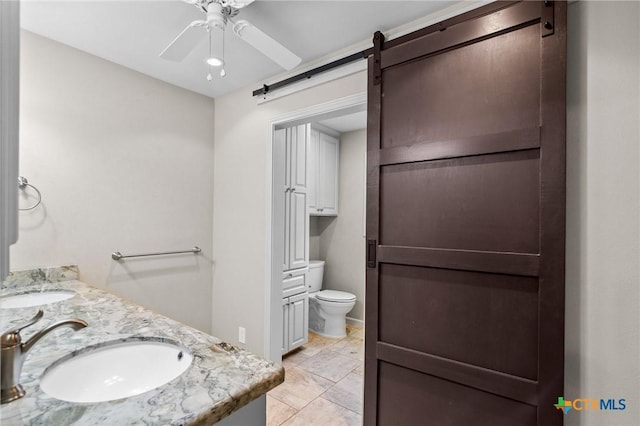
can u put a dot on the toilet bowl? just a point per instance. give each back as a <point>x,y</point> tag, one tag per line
<point>327,308</point>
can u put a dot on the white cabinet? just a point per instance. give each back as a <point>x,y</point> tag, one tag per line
<point>295,309</point>
<point>295,321</point>
<point>9,109</point>
<point>291,177</point>
<point>296,219</point>
<point>324,151</point>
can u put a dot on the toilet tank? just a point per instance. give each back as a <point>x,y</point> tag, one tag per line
<point>316,272</point>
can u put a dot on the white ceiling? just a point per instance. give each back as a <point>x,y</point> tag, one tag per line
<point>347,123</point>
<point>133,33</point>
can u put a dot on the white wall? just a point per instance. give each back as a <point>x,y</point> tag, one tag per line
<point>341,242</point>
<point>124,162</point>
<point>240,203</point>
<point>314,237</point>
<point>603,210</point>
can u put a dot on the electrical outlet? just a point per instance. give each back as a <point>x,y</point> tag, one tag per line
<point>242,334</point>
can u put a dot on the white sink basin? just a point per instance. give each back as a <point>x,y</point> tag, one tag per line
<point>115,370</point>
<point>26,300</point>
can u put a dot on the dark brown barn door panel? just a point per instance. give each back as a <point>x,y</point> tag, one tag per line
<point>465,220</point>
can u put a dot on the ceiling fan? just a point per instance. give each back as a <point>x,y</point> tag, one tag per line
<point>218,14</point>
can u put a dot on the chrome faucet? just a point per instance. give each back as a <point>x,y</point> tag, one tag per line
<point>14,352</point>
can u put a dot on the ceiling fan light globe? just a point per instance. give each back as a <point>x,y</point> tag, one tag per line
<point>215,62</point>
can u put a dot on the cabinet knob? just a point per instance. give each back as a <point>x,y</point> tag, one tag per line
<point>293,190</point>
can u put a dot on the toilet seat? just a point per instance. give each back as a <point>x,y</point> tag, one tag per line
<point>335,296</point>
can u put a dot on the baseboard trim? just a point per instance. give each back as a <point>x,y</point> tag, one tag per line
<point>355,322</point>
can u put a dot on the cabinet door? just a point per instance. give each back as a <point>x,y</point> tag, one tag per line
<point>295,182</point>
<point>299,231</point>
<point>298,215</point>
<point>329,150</point>
<point>285,326</point>
<point>298,320</point>
<point>288,145</point>
<point>281,196</point>
<point>299,158</point>
<point>287,231</point>
<point>312,174</point>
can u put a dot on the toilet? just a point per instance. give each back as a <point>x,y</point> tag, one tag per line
<point>327,308</point>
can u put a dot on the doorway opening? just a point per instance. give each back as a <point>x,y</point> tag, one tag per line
<point>316,249</point>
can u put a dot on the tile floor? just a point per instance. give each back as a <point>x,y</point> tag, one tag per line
<point>323,383</point>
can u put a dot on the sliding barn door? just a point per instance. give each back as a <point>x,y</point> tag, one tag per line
<point>466,221</point>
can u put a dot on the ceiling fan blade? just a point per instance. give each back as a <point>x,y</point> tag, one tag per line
<point>266,45</point>
<point>185,42</point>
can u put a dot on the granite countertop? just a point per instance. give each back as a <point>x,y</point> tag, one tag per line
<point>221,379</point>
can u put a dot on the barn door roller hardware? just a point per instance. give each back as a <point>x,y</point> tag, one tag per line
<point>378,42</point>
<point>546,20</point>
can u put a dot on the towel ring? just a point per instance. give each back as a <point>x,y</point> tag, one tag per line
<point>22,184</point>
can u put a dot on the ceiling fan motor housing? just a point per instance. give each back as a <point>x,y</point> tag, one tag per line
<point>216,17</point>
